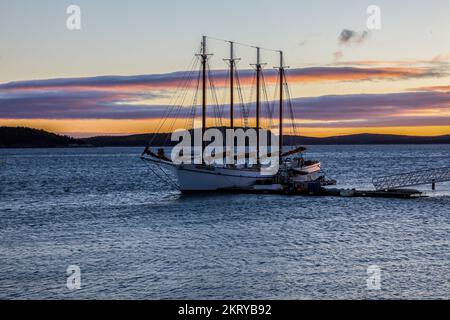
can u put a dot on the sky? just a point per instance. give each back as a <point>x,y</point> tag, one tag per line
<point>120,71</point>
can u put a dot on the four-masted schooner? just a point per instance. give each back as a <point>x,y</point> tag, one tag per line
<point>200,176</point>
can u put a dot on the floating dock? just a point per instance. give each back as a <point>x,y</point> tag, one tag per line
<point>314,189</point>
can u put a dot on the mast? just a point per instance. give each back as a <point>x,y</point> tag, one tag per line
<point>281,70</point>
<point>204,58</point>
<point>232,68</point>
<point>258,101</point>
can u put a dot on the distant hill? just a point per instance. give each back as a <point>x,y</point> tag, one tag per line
<point>367,138</point>
<point>129,141</point>
<point>19,137</point>
<point>164,139</point>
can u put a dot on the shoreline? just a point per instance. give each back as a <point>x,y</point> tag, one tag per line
<point>169,146</point>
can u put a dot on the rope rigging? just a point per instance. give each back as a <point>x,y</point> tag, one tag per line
<point>244,110</point>
<point>173,103</point>
<point>199,88</point>
<point>184,109</point>
<point>269,106</point>
<point>244,44</point>
<point>193,109</point>
<point>217,111</point>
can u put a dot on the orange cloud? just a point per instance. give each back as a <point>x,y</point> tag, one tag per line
<point>433,88</point>
<point>441,58</point>
<point>170,81</point>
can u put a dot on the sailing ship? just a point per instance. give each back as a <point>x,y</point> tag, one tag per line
<point>194,176</point>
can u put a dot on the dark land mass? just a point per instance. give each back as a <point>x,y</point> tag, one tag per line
<point>20,137</point>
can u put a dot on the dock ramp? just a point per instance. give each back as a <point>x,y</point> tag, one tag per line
<point>430,176</point>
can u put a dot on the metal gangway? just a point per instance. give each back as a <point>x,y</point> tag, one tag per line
<point>430,176</point>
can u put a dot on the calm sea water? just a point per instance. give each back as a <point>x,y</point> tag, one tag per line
<point>134,237</point>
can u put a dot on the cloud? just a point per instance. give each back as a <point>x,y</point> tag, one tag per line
<point>321,74</point>
<point>130,97</point>
<point>302,43</point>
<point>441,58</point>
<point>349,37</point>
<point>439,61</point>
<point>338,55</point>
<point>137,82</point>
<point>75,105</point>
<point>421,108</point>
<point>379,108</point>
<point>171,81</point>
<point>433,88</point>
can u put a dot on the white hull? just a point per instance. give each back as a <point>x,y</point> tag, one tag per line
<point>195,178</point>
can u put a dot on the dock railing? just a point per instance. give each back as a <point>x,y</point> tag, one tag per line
<point>430,176</point>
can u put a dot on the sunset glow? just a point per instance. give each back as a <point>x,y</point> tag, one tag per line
<point>89,82</point>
